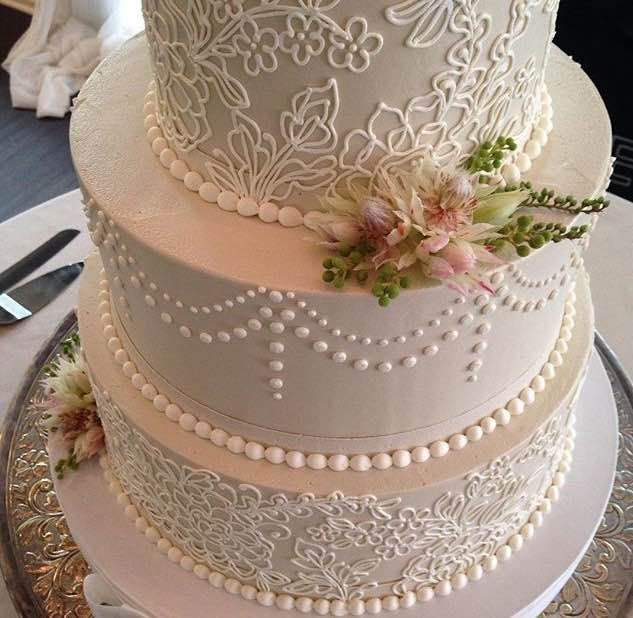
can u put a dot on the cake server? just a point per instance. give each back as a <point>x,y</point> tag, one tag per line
<point>22,302</point>
<point>24,267</point>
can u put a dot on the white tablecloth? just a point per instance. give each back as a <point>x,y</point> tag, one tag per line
<point>609,261</point>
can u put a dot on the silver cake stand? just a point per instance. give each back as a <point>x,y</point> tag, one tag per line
<point>44,569</point>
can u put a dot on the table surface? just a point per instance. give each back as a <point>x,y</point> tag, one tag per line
<point>609,262</point>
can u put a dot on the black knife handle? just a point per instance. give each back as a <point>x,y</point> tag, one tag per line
<point>35,259</point>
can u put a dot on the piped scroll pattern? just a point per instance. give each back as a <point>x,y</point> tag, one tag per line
<point>344,549</point>
<point>474,99</point>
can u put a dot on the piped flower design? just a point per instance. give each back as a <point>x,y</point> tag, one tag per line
<point>430,19</point>
<point>257,47</point>
<point>223,10</point>
<point>303,38</point>
<point>354,50</point>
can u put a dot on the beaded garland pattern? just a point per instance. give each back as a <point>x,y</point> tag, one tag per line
<point>340,462</point>
<point>280,323</point>
<point>335,554</point>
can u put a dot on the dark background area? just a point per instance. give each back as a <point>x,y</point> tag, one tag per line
<point>35,160</point>
<point>599,35</point>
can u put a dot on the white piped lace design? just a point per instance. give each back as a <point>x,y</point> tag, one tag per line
<point>201,51</point>
<point>335,547</point>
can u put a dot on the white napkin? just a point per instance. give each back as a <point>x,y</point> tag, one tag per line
<point>53,59</point>
<point>103,601</point>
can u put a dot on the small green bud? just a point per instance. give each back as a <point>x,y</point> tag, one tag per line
<point>356,257</point>
<point>339,263</point>
<point>339,282</point>
<point>525,221</point>
<point>377,289</point>
<point>388,270</point>
<point>536,242</point>
<point>393,290</point>
<point>518,237</point>
<point>384,301</point>
<point>328,276</point>
<point>328,263</point>
<point>362,276</point>
<point>523,250</point>
<point>405,282</point>
<point>344,251</point>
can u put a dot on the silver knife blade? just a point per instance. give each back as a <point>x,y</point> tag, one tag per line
<point>22,302</point>
<point>29,263</point>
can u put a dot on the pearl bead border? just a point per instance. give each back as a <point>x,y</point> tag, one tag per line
<point>289,216</point>
<point>295,459</point>
<point>355,607</point>
<point>521,162</point>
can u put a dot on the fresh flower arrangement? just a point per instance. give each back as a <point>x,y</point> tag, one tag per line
<point>452,223</point>
<point>70,410</point>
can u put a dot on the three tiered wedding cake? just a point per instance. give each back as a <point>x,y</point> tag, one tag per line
<point>342,451</point>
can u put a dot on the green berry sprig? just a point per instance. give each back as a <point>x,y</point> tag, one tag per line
<point>388,284</point>
<point>341,267</point>
<point>525,235</point>
<point>69,347</point>
<point>490,156</point>
<point>69,463</point>
<point>70,344</point>
<point>546,198</point>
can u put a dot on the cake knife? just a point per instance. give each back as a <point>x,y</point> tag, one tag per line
<point>24,267</point>
<point>22,302</point>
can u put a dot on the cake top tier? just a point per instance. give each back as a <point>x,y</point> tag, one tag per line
<point>281,100</point>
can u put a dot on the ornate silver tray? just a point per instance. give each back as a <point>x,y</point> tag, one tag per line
<point>44,569</point>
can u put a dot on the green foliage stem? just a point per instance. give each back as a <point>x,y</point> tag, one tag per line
<point>386,285</point>
<point>490,156</point>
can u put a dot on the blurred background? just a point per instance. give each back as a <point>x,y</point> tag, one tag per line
<point>599,35</point>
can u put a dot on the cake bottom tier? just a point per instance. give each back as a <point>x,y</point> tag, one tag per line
<point>334,542</point>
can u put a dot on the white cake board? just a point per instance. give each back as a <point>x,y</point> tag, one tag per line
<point>523,587</point>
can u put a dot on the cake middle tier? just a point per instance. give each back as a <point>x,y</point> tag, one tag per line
<point>266,369</point>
